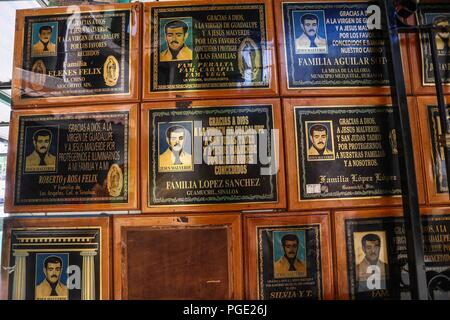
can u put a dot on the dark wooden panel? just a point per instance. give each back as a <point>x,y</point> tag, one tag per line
<point>193,256</point>
<point>178,263</point>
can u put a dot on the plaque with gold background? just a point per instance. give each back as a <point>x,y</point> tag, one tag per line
<point>208,49</point>
<point>332,48</point>
<point>289,256</point>
<point>432,143</point>
<point>76,54</point>
<point>218,154</point>
<point>78,160</point>
<point>371,247</point>
<point>437,13</point>
<point>56,259</point>
<point>347,153</point>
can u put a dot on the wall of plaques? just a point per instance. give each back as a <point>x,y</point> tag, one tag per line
<point>251,142</point>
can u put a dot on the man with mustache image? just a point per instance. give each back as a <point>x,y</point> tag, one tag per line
<point>175,155</point>
<point>176,33</point>
<point>51,288</point>
<point>371,264</point>
<point>310,37</point>
<point>289,266</point>
<point>44,46</point>
<point>41,159</point>
<point>318,135</point>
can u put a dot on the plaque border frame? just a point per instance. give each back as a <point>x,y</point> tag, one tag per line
<point>103,223</point>
<point>213,207</point>
<point>416,60</point>
<point>148,95</point>
<point>292,170</point>
<point>133,156</point>
<point>252,221</point>
<point>433,197</point>
<point>133,93</point>
<point>235,255</point>
<point>327,91</point>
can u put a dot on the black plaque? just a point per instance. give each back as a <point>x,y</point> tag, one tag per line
<point>435,14</point>
<point>346,152</point>
<point>347,47</point>
<point>63,258</point>
<point>79,54</point>
<point>74,158</point>
<point>388,278</point>
<point>438,153</point>
<point>224,46</point>
<point>280,279</point>
<point>222,158</point>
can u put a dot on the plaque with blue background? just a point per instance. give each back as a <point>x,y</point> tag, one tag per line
<point>332,45</point>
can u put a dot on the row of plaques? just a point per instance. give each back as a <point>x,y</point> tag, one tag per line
<point>218,156</point>
<point>288,256</point>
<point>85,53</point>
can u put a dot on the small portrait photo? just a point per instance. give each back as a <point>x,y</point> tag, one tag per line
<point>289,254</point>
<point>51,276</point>
<point>320,140</point>
<point>310,32</point>
<point>41,149</point>
<point>371,260</point>
<point>44,37</point>
<point>175,146</point>
<point>442,37</point>
<point>175,35</point>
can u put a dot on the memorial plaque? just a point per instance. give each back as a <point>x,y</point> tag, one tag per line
<point>420,49</point>
<point>332,46</point>
<point>208,49</point>
<point>78,160</point>
<point>376,255</point>
<point>289,256</point>
<point>346,150</point>
<point>220,154</point>
<point>76,54</point>
<point>433,150</point>
<point>56,259</point>
<point>178,257</point>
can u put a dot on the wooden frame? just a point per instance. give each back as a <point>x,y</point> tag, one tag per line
<point>231,221</point>
<point>18,82</point>
<point>326,91</point>
<point>341,274</point>
<point>148,95</point>
<point>103,223</point>
<point>292,172</point>
<point>145,182</point>
<point>416,60</point>
<point>133,170</point>
<point>433,196</point>
<point>430,211</point>
<point>252,221</point>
